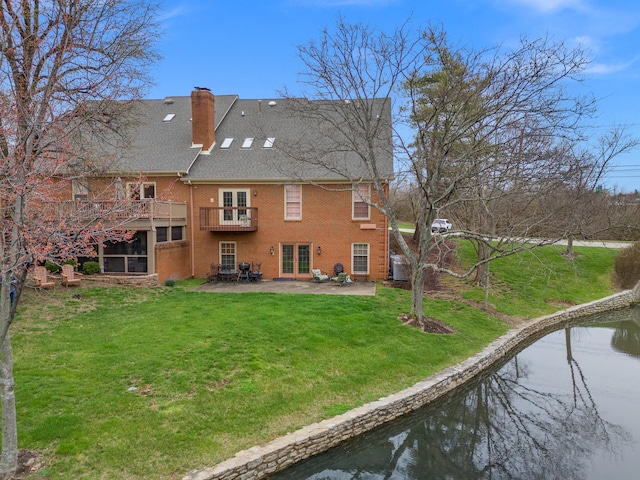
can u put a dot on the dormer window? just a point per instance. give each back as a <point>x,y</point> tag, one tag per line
<point>268,143</point>
<point>247,143</point>
<point>168,117</point>
<point>226,143</point>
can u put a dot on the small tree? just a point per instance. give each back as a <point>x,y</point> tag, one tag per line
<point>64,66</point>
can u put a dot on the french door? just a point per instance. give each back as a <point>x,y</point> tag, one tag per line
<point>295,260</point>
<point>232,202</point>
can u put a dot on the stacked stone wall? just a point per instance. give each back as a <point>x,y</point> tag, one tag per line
<point>150,280</point>
<point>261,461</point>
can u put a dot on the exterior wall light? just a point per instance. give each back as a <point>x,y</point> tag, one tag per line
<point>272,250</point>
<point>319,250</point>
<point>255,192</point>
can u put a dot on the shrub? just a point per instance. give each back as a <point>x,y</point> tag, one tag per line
<point>52,267</point>
<point>627,266</point>
<point>169,282</point>
<point>71,261</point>
<point>90,268</point>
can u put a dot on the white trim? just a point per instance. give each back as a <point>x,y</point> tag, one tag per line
<point>357,198</point>
<point>234,201</point>
<point>131,187</point>
<point>79,189</point>
<point>353,270</point>
<point>235,252</point>
<point>299,217</point>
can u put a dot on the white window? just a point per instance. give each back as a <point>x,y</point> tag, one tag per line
<point>228,255</point>
<point>360,258</point>
<point>168,117</point>
<point>234,203</point>
<point>361,195</point>
<point>293,202</point>
<point>80,190</point>
<point>247,143</point>
<point>226,143</point>
<point>141,191</point>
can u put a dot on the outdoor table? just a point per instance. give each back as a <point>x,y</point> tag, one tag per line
<point>228,275</point>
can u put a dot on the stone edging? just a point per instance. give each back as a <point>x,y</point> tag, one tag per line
<point>260,461</point>
<point>146,280</point>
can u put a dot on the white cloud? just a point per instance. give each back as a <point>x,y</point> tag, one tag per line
<point>342,3</point>
<point>175,12</point>
<point>608,68</point>
<point>552,5</point>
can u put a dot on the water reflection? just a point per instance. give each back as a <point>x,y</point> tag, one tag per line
<point>626,338</point>
<point>550,413</point>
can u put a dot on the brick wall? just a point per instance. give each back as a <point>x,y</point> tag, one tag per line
<point>326,222</point>
<point>172,261</point>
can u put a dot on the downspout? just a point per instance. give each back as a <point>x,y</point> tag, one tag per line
<point>192,231</point>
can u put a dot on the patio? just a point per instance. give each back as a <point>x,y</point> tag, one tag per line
<point>289,286</point>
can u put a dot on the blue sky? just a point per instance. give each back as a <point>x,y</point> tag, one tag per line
<point>248,47</point>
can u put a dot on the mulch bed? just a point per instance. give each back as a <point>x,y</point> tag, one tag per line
<point>426,324</point>
<point>432,285</point>
<point>29,463</point>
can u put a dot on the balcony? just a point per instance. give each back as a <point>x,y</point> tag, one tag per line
<point>229,219</point>
<point>121,211</point>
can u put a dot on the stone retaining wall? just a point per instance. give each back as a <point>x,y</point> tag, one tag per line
<point>261,461</point>
<point>150,280</point>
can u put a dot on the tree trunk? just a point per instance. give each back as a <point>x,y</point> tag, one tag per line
<point>9,460</point>
<point>482,267</point>
<point>567,339</point>
<point>570,245</point>
<point>417,292</point>
<point>486,285</point>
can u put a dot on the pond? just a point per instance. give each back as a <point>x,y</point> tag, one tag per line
<point>565,407</point>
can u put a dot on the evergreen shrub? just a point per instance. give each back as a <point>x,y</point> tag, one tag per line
<point>91,268</point>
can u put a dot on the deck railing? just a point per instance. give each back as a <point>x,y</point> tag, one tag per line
<point>135,209</point>
<point>229,219</point>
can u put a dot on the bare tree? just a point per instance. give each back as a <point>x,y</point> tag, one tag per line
<point>485,129</point>
<point>64,66</point>
<point>592,211</point>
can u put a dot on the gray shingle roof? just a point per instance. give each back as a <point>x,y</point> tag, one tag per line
<point>166,146</point>
<point>160,146</point>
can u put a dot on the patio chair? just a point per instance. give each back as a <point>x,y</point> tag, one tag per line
<point>70,276</point>
<point>318,276</point>
<point>214,275</point>
<point>42,279</point>
<point>256,272</point>
<point>342,279</point>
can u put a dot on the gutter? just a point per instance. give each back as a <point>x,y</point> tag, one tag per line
<point>192,232</point>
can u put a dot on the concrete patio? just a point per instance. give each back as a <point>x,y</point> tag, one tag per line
<point>292,286</point>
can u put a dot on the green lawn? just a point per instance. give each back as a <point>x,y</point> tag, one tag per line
<point>150,383</point>
<point>539,282</point>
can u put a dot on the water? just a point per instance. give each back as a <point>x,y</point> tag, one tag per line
<point>566,407</point>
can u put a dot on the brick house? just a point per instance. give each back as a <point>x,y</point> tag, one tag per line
<point>215,187</point>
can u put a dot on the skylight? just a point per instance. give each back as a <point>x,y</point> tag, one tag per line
<point>226,143</point>
<point>247,142</point>
<point>168,117</point>
<point>268,143</point>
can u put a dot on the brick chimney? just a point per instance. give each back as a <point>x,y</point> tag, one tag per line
<point>202,118</point>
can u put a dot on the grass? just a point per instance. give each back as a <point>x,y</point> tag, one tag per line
<point>150,383</point>
<point>536,283</point>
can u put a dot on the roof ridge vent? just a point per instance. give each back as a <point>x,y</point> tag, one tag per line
<point>168,101</point>
<point>272,103</point>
